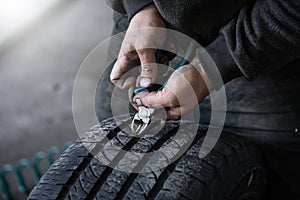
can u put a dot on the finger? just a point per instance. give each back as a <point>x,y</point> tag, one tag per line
<point>149,67</point>
<point>135,106</point>
<point>164,98</point>
<point>132,100</point>
<point>177,112</point>
<point>136,101</point>
<point>174,113</point>
<point>138,80</point>
<point>131,94</point>
<point>119,74</point>
<point>124,83</point>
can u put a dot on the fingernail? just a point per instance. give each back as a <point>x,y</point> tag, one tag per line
<point>145,81</point>
<point>138,101</point>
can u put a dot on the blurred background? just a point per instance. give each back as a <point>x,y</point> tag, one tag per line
<point>42,44</point>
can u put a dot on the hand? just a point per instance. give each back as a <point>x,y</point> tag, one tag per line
<point>185,89</point>
<point>135,50</point>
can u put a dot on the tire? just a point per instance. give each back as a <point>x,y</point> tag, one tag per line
<point>103,95</point>
<point>233,170</point>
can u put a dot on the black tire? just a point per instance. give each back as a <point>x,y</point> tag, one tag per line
<point>233,170</point>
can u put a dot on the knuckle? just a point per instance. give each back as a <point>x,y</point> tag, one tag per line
<point>147,68</point>
<point>177,115</point>
<point>142,51</point>
<point>113,78</point>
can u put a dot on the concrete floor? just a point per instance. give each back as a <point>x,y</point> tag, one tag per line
<point>37,70</point>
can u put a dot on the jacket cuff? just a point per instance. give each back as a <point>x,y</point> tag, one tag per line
<point>134,6</point>
<point>222,58</point>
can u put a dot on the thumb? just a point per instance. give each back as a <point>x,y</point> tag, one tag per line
<point>153,99</point>
<point>149,67</point>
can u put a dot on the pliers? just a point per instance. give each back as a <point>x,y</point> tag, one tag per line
<point>143,117</point>
<point>141,120</point>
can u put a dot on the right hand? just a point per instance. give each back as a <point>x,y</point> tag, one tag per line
<point>135,50</point>
<point>179,98</point>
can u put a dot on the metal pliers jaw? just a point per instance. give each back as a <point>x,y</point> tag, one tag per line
<point>141,120</point>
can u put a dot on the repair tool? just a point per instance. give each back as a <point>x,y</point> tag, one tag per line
<point>141,119</point>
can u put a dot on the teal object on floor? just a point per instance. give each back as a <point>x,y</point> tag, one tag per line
<point>34,166</point>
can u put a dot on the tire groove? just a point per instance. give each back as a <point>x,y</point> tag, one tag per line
<point>93,172</point>
<point>82,188</point>
<point>86,161</point>
<point>108,170</point>
<point>169,169</point>
<point>127,184</point>
<point>105,170</point>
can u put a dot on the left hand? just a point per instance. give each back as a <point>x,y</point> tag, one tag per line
<point>184,90</point>
<point>142,33</point>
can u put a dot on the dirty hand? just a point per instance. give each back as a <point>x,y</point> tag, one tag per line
<point>135,50</point>
<point>184,90</point>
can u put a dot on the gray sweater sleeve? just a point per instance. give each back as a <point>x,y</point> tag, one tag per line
<point>264,37</point>
<point>129,7</point>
